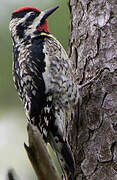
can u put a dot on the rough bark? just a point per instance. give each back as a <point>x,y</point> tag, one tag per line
<point>93,45</point>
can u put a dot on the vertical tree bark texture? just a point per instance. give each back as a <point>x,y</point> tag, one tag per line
<point>93,45</point>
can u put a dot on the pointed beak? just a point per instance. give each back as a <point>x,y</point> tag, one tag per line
<point>49,12</point>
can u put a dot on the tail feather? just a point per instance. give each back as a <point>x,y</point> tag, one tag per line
<point>64,155</point>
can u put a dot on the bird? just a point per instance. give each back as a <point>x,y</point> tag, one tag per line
<point>44,78</point>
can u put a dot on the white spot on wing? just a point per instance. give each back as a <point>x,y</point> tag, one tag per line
<point>34,92</point>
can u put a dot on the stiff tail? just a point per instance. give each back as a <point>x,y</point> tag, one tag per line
<point>64,156</point>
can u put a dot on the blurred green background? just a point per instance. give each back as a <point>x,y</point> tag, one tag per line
<point>12,119</point>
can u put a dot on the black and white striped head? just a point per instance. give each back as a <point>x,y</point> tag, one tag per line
<point>27,21</point>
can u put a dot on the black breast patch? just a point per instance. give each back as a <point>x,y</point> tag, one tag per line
<point>37,53</point>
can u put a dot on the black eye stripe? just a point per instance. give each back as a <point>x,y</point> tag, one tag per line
<point>20,30</point>
<point>31,17</point>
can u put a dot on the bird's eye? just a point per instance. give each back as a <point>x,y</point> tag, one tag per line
<point>30,19</point>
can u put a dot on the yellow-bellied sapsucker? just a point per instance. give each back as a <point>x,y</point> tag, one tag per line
<point>44,79</point>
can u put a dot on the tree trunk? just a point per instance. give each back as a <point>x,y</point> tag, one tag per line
<point>93,45</point>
